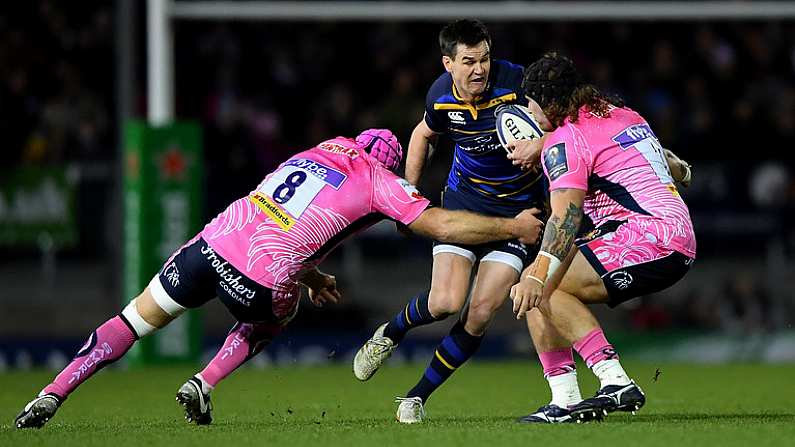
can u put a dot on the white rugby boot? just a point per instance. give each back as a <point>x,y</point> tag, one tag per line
<point>410,410</point>
<point>373,354</point>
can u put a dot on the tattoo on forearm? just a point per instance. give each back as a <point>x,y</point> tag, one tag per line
<point>559,233</point>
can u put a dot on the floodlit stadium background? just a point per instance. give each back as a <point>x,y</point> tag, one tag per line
<point>719,92</point>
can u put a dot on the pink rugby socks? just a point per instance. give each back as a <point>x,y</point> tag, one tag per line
<point>244,341</point>
<point>561,373</point>
<point>104,346</point>
<point>594,347</point>
<point>557,362</point>
<point>600,356</point>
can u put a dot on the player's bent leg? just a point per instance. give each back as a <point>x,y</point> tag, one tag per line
<point>490,291</point>
<point>245,340</point>
<point>567,310</point>
<point>566,306</point>
<point>491,288</point>
<point>108,343</point>
<point>449,286</point>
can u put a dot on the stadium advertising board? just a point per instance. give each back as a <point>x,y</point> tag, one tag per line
<point>37,206</point>
<point>162,206</point>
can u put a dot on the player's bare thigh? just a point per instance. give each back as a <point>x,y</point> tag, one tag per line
<point>449,283</point>
<point>492,286</point>
<point>582,281</point>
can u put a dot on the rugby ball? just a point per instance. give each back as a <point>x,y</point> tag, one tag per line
<point>516,122</point>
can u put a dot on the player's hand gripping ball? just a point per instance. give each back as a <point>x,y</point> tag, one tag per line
<point>515,122</point>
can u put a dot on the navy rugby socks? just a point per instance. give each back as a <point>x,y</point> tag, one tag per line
<point>415,314</point>
<point>451,353</point>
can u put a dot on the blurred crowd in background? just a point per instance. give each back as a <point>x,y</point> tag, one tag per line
<point>721,95</point>
<point>56,84</point>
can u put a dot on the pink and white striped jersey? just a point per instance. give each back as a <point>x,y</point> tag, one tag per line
<point>305,208</point>
<point>620,163</point>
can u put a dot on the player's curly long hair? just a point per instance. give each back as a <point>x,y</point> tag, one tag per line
<point>558,88</point>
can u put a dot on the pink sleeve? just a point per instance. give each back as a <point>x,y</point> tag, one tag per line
<point>563,163</point>
<point>396,198</point>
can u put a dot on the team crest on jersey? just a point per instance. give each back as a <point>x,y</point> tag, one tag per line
<point>555,161</point>
<point>411,191</point>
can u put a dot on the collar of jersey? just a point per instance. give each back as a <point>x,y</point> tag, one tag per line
<point>473,109</point>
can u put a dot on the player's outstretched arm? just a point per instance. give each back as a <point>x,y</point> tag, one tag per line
<point>679,168</point>
<point>417,154</point>
<point>466,227</point>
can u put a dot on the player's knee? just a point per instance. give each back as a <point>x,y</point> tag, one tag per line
<point>479,311</point>
<point>146,315</point>
<point>138,323</point>
<point>443,303</point>
<point>479,316</point>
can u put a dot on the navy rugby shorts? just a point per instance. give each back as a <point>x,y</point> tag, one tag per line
<point>510,252</point>
<point>195,274</point>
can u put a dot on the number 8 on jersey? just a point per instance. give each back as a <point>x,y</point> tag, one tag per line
<point>293,187</point>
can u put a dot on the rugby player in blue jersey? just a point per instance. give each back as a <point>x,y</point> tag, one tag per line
<point>461,105</point>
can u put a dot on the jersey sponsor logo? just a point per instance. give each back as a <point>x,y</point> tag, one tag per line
<point>329,175</point>
<point>518,246</point>
<point>231,281</point>
<point>555,161</point>
<point>335,148</point>
<point>288,192</point>
<point>633,134</point>
<point>278,215</point>
<point>641,137</point>
<point>172,274</point>
<point>482,144</point>
<point>621,279</point>
<point>411,191</point>
<point>456,117</point>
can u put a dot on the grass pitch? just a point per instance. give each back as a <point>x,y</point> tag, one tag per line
<point>732,405</point>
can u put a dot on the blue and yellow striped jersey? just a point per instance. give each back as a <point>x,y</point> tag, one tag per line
<point>480,166</point>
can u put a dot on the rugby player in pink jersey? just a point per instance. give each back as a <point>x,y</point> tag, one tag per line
<point>603,162</point>
<point>256,255</point>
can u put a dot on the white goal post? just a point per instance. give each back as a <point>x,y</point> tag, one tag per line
<point>161,13</point>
